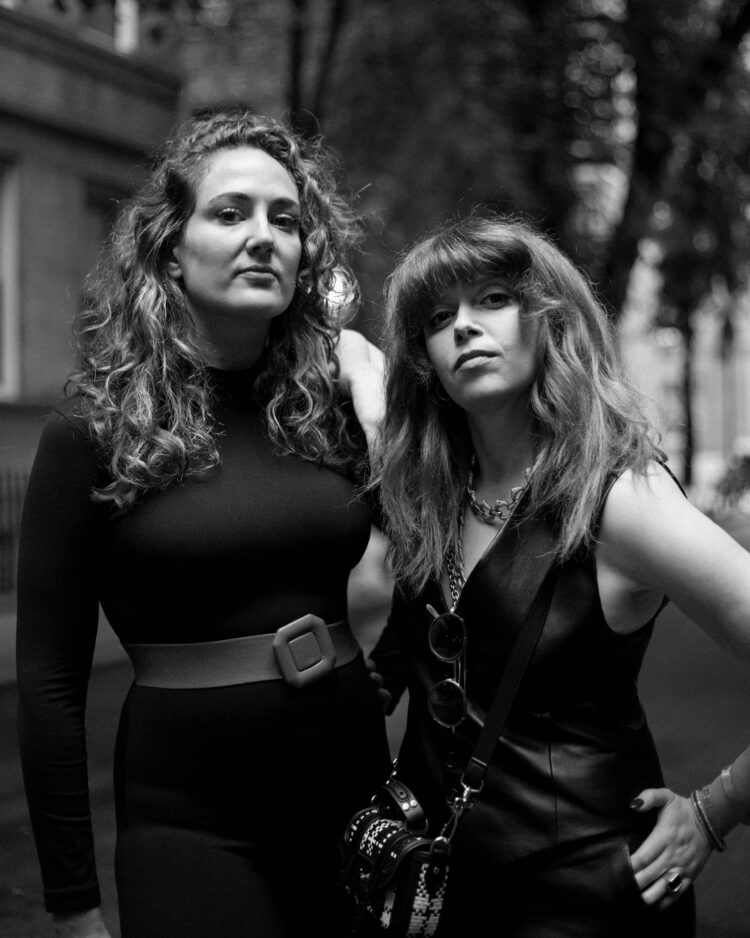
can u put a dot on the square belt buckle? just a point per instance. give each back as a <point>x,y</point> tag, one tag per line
<point>304,650</point>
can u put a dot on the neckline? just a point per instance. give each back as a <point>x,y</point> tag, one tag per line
<point>231,372</point>
<point>237,374</point>
<point>496,540</point>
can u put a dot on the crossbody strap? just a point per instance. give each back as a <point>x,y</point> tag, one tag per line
<point>520,656</point>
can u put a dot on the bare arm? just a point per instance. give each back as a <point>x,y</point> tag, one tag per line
<point>658,542</point>
<point>654,542</point>
<point>361,375</point>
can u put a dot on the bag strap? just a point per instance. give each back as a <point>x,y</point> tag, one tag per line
<point>518,660</point>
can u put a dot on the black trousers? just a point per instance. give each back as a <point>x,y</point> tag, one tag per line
<point>586,891</point>
<point>231,800</point>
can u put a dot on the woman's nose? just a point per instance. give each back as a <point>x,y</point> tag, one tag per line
<point>260,237</point>
<point>464,325</point>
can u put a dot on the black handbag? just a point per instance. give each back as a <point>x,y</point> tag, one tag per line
<point>394,875</point>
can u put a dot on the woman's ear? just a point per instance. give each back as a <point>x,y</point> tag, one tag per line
<point>174,268</point>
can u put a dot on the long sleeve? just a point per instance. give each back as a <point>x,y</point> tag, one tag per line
<point>57,622</point>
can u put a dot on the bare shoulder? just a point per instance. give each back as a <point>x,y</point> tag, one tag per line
<point>656,484</point>
<point>627,596</point>
<point>652,535</point>
<point>641,501</point>
<point>352,338</point>
<point>646,517</point>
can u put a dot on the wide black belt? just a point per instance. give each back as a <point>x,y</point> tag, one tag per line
<point>299,652</point>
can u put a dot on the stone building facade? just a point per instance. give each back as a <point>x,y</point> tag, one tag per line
<point>77,120</point>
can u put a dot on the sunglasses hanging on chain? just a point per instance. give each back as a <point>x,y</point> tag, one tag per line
<point>394,873</point>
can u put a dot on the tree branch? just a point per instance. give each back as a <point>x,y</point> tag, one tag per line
<point>339,12</point>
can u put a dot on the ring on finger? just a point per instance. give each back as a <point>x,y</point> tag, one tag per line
<point>674,882</point>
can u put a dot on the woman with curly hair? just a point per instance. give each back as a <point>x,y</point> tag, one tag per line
<point>198,481</point>
<point>516,462</point>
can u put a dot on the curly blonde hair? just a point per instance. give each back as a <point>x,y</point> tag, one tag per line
<point>145,390</point>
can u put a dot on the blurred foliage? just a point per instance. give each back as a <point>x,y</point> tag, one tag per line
<point>586,115</point>
<point>605,121</point>
<point>733,488</point>
<point>610,123</point>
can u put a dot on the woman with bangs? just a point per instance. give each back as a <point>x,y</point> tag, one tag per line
<point>515,459</point>
<point>199,481</point>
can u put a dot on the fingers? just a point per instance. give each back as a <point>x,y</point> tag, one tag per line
<point>674,852</point>
<point>651,798</point>
<point>647,860</point>
<point>376,677</point>
<point>384,696</point>
<point>666,889</point>
<point>373,670</point>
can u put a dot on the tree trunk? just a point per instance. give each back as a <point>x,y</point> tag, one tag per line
<point>336,20</point>
<point>659,129</point>
<point>297,28</point>
<point>306,106</point>
<point>687,405</point>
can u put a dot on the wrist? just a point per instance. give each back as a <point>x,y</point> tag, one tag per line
<point>740,811</point>
<point>728,799</point>
<point>708,817</point>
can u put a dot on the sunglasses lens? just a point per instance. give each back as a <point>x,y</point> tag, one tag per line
<point>446,637</point>
<point>446,702</point>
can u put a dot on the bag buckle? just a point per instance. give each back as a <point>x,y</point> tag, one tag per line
<point>304,650</point>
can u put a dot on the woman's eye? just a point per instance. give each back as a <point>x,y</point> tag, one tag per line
<point>497,298</point>
<point>438,318</point>
<point>229,215</point>
<point>286,222</point>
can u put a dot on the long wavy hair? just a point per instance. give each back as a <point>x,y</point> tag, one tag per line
<point>588,421</point>
<point>145,390</point>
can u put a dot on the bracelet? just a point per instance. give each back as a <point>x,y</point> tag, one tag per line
<point>701,802</point>
<point>730,792</point>
<point>699,818</point>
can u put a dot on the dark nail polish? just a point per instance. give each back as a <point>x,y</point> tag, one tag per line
<point>636,803</point>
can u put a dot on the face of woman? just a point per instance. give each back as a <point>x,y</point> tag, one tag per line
<point>240,250</point>
<point>481,345</point>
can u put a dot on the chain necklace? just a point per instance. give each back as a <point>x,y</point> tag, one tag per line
<point>454,557</point>
<point>503,508</point>
<point>454,561</point>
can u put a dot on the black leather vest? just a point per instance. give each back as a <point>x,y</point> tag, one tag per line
<point>576,749</point>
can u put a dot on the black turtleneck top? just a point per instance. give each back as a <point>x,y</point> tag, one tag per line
<point>243,548</point>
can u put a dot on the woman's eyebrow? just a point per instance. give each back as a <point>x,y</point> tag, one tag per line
<point>282,201</point>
